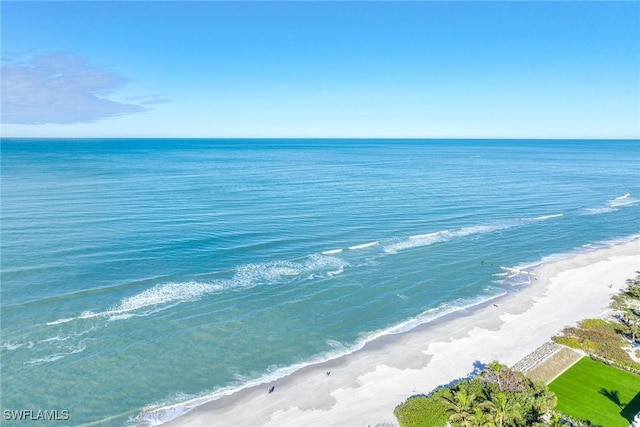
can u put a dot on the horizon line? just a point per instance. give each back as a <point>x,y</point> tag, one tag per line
<point>634,138</point>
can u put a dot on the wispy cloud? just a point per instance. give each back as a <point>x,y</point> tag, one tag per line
<point>148,99</point>
<point>60,89</point>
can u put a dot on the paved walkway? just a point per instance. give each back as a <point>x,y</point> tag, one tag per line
<point>548,361</point>
<point>539,355</point>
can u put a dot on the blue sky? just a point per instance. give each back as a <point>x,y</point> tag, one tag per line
<point>321,69</point>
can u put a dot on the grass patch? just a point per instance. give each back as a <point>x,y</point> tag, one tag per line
<point>601,394</point>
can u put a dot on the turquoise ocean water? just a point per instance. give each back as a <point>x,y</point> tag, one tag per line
<point>150,272</point>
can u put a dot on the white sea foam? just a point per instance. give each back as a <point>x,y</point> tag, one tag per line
<point>623,201</point>
<point>249,275</point>
<point>153,418</point>
<point>323,266</point>
<point>59,321</point>
<point>597,211</point>
<point>46,359</point>
<point>164,296</point>
<point>402,297</point>
<point>427,239</point>
<point>332,252</point>
<point>516,276</point>
<point>420,240</point>
<point>335,272</point>
<point>56,338</point>
<point>363,245</point>
<point>435,235</point>
<point>159,295</point>
<point>84,315</point>
<point>320,263</point>
<point>544,217</point>
<point>612,205</point>
<point>57,356</point>
<point>272,272</point>
<point>515,271</point>
<point>10,346</point>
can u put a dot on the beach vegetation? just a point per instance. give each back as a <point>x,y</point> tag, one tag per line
<point>600,339</point>
<point>496,397</point>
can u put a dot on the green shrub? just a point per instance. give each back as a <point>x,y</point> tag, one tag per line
<point>572,342</point>
<point>598,325</point>
<point>423,411</point>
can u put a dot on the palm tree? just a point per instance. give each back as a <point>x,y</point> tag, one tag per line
<point>544,399</point>
<point>482,418</point>
<point>460,404</point>
<point>504,410</point>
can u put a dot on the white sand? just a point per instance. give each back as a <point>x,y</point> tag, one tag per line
<point>365,387</point>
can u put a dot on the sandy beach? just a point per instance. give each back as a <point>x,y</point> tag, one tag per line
<point>363,388</point>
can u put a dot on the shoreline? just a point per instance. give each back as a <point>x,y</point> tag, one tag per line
<point>366,385</point>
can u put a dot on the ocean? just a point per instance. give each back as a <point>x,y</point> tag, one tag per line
<point>142,273</point>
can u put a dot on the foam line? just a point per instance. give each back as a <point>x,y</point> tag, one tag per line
<point>56,356</point>
<point>332,252</point>
<point>429,235</point>
<point>543,217</point>
<point>516,271</point>
<point>598,211</point>
<point>447,235</point>
<point>612,205</point>
<point>364,245</point>
<point>163,296</point>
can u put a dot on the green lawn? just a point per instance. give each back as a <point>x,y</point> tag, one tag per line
<point>593,391</point>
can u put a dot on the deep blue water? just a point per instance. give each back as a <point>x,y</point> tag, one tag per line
<point>148,272</point>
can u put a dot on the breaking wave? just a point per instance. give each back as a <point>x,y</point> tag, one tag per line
<point>167,295</point>
<point>363,246</point>
<point>612,205</point>
<point>447,235</point>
